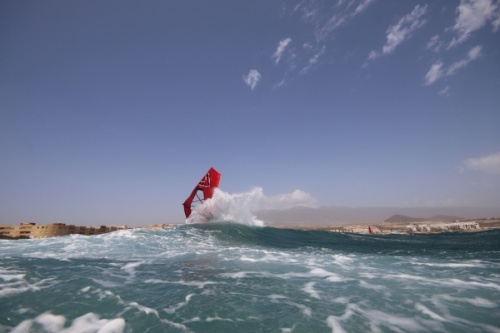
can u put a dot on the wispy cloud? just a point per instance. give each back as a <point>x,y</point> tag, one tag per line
<point>434,73</point>
<point>437,71</point>
<point>373,55</point>
<point>473,15</point>
<point>401,31</point>
<point>473,54</point>
<point>252,78</point>
<point>445,91</point>
<point>282,45</point>
<point>362,6</point>
<point>313,60</point>
<point>434,44</point>
<point>279,84</point>
<point>487,164</point>
<point>325,17</point>
<point>330,17</point>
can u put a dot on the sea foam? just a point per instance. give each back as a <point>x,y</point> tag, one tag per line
<point>87,323</point>
<point>224,206</point>
<point>230,277</point>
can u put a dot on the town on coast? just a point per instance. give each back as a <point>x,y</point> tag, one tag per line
<point>27,230</point>
<point>411,228</point>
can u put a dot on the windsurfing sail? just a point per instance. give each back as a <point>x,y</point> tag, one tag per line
<point>206,186</point>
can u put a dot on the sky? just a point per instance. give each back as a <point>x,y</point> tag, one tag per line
<point>111,112</point>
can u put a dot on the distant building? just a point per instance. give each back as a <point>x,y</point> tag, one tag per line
<point>412,228</point>
<point>462,226</point>
<point>33,230</point>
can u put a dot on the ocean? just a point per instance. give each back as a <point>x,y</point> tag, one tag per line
<point>230,277</point>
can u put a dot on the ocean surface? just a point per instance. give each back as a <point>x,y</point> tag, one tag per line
<point>229,277</point>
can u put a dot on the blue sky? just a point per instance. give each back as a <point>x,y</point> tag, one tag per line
<point>110,112</point>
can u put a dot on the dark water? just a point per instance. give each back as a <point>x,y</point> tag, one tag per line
<point>225,277</point>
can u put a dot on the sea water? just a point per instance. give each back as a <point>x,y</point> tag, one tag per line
<point>230,277</point>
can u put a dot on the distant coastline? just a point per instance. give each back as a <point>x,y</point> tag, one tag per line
<point>340,215</point>
<point>409,228</point>
<point>29,230</point>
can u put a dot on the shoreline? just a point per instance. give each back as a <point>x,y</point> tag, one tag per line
<point>406,228</point>
<point>11,232</point>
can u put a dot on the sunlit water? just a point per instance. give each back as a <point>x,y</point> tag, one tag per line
<point>227,277</point>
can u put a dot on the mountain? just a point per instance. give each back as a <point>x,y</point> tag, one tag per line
<point>337,215</point>
<point>404,219</point>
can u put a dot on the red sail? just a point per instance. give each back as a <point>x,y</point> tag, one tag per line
<point>207,185</point>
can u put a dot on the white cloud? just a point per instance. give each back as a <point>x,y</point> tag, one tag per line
<point>434,44</point>
<point>496,23</point>
<point>487,164</point>
<point>279,84</point>
<point>313,60</point>
<point>325,17</point>
<point>282,45</point>
<point>373,55</point>
<point>473,15</point>
<point>362,6</point>
<point>473,54</point>
<point>328,18</point>
<point>287,200</point>
<point>402,30</point>
<point>334,22</point>
<point>252,78</point>
<point>445,91</point>
<point>436,71</point>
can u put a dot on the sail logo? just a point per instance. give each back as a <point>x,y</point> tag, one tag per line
<point>205,182</point>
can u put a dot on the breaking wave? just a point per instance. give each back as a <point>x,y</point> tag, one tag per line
<point>240,207</point>
<point>223,207</point>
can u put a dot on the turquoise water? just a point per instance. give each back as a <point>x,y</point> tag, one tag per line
<point>225,277</point>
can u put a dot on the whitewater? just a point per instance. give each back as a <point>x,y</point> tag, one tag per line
<point>241,276</point>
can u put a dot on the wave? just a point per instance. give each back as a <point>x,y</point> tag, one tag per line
<point>197,238</point>
<point>240,207</point>
<point>235,234</point>
<point>224,206</point>
<point>251,277</point>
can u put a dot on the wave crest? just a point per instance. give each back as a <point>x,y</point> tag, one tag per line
<point>223,207</point>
